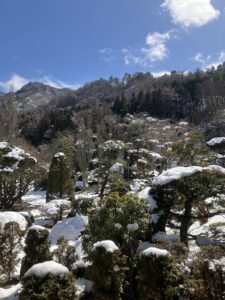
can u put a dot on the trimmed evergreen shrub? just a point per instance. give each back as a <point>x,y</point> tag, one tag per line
<point>106,273</point>
<point>48,284</point>
<point>60,183</point>
<point>10,239</point>
<point>158,275</point>
<point>37,248</point>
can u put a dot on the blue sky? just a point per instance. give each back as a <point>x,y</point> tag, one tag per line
<point>66,43</point>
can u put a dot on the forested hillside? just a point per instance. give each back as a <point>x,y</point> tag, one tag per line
<point>115,191</point>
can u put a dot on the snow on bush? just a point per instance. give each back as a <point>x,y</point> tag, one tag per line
<point>37,228</point>
<point>42,269</point>
<point>132,227</point>
<point>117,167</point>
<point>10,216</point>
<point>59,154</point>
<point>146,195</point>
<point>152,251</point>
<point>216,141</point>
<point>109,246</point>
<point>178,173</point>
<point>69,228</point>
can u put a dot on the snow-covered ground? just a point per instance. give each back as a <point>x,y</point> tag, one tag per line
<point>10,293</point>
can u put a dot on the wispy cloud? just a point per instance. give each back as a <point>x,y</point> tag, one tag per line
<point>155,49</point>
<point>59,84</point>
<point>209,61</point>
<point>134,57</point>
<point>107,54</point>
<point>191,12</point>
<point>16,82</point>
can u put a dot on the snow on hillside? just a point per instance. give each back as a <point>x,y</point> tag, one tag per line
<point>70,229</point>
<point>10,216</point>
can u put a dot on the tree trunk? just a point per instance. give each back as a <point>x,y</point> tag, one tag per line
<point>105,180</point>
<point>185,222</point>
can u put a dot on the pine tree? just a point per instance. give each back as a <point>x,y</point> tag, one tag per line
<point>60,183</point>
<point>10,239</point>
<point>37,248</point>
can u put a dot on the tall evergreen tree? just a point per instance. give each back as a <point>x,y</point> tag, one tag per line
<point>60,183</point>
<point>10,239</point>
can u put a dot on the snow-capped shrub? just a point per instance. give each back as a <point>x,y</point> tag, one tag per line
<point>16,174</point>
<point>37,248</point>
<point>60,184</point>
<point>106,272</point>
<point>48,280</point>
<point>158,275</point>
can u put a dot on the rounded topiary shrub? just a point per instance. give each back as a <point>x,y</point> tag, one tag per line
<point>48,280</point>
<point>60,183</point>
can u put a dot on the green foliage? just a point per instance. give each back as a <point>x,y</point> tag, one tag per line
<point>206,278</point>
<point>10,242</point>
<point>41,176</point>
<point>191,151</point>
<point>17,171</point>
<point>65,143</point>
<point>65,254</point>
<point>37,249</point>
<point>48,287</point>
<point>110,219</point>
<point>60,183</point>
<point>158,277</point>
<point>82,206</point>
<point>119,185</point>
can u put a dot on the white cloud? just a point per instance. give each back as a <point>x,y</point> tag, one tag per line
<point>191,12</point>
<point>160,73</point>
<point>16,82</point>
<point>133,58</point>
<point>58,83</point>
<point>156,46</point>
<point>155,49</point>
<point>209,61</point>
